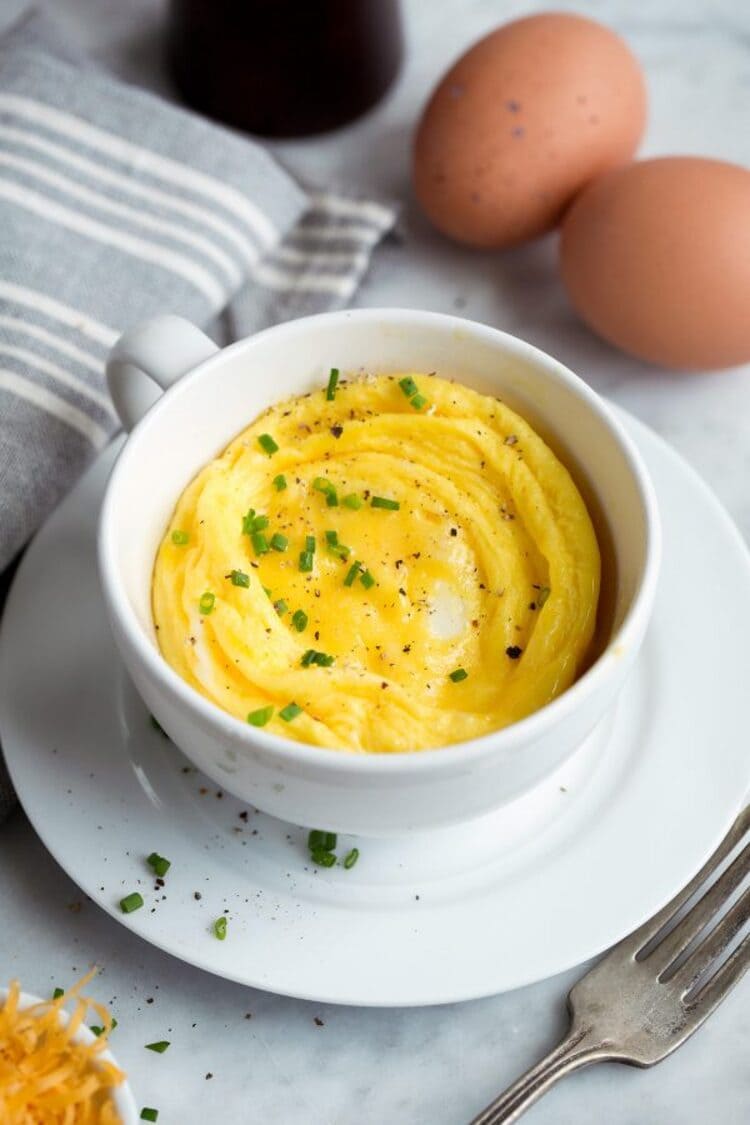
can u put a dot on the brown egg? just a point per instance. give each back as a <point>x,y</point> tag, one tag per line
<point>521,123</point>
<point>656,258</point>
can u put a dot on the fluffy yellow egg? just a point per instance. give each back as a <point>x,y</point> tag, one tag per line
<point>403,566</point>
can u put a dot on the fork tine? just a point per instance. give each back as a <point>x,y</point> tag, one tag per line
<point>714,945</point>
<point>642,936</point>
<point>700,914</point>
<point>723,981</point>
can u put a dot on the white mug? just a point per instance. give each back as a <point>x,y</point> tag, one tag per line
<point>209,396</point>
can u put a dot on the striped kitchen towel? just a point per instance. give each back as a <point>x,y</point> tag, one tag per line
<point>115,205</point>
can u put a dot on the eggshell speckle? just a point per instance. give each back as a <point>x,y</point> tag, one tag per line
<point>521,123</point>
<point>656,259</point>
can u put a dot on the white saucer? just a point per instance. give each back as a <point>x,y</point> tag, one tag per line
<point>464,912</point>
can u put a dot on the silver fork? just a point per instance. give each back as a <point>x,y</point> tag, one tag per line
<point>654,989</point>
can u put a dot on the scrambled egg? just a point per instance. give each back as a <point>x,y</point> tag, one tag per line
<point>393,564</point>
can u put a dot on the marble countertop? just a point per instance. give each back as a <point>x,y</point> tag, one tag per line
<point>436,1065</point>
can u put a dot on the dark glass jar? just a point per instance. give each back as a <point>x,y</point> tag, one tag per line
<point>284,68</point>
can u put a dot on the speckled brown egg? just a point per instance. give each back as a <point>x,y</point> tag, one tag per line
<point>521,123</point>
<point>656,258</point>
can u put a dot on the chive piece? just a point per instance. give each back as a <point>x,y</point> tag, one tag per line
<point>307,659</point>
<point>306,561</point>
<point>260,543</point>
<point>267,444</point>
<point>299,620</point>
<point>180,538</point>
<point>384,502</point>
<point>267,592</point>
<point>458,674</point>
<point>332,537</point>
<point>281,607</point>
<point>279,482</point>
<point>220,928</point>
<point>339,550</point>
<point>148,1114</point>
<point>367,580</point>
<point>248,522</point>
<point>291,711</point>
<point>542,596</point>
<point>159,1047</point>
<point>333,379</point>
<point>310,544</point>
<point>206,604</point>
<point>318,839</point>
<point>279,542</point>
<point>352,573</point>
<point>322,858</point>
<point>408,386</point>
<point>260,717</point>
<point>322,484</point>
<point>351,500</point>
<point>239,578</point>
<point>131,902</point>
<point>58,993</point>
<point>332,499</point>
<point>419,401</point>
<point>159,864</point>
<point>351,858</point>
<point>323,659</point>
<point>260,523</point>
<point>113,1025</point>
<point>97,1031</point>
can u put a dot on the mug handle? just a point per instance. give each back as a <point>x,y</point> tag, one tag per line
<point>148,359</point>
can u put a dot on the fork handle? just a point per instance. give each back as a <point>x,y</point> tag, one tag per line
<point>580,1047</point>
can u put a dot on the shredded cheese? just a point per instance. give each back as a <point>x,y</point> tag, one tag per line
<point>46,1078</point>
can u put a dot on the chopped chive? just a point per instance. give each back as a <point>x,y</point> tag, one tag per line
<point>332,499</point>
<point>408,386</point>
<point>318,838</point>
<point>322,484</point>
<point>279,542</point>
<point>339,550</point>
<point>306,561</point>
<point>279,482</point>
<point>352,573</point>
<point>542,596</point>
<point>323,659</point>
<point>159,864</point>
<point>333,379</point>
<point>310,544</point>
<point>332,537</point>
<point>206,604</point>
<point>299,620</point>
<point>260,543</point>
<point>148,1114</point>
<point>220,928</point>
<point>281,607</point>
<point>97,1031</point>
<point>113,1025</point>
<point>351,500</point>
<point>267,444</point>
<point>367,580</point>
<point>351,858</point>
<point>248,521</point>
<point>384,502</point>
<point>322,858</point>
<point>58,993</point>
<point>260,717</point>
<point>266,591</point>
<point>159,1047</point>
<point>418,402</point>
<point>239,578</point>
<point>307,658</point>
<point>180,538</point>
<point>131,902</point>
<point>291,711</point>
<point>458,674</point>
<point>260,523</point>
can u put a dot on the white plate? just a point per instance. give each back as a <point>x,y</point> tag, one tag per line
<point>464,912</point>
